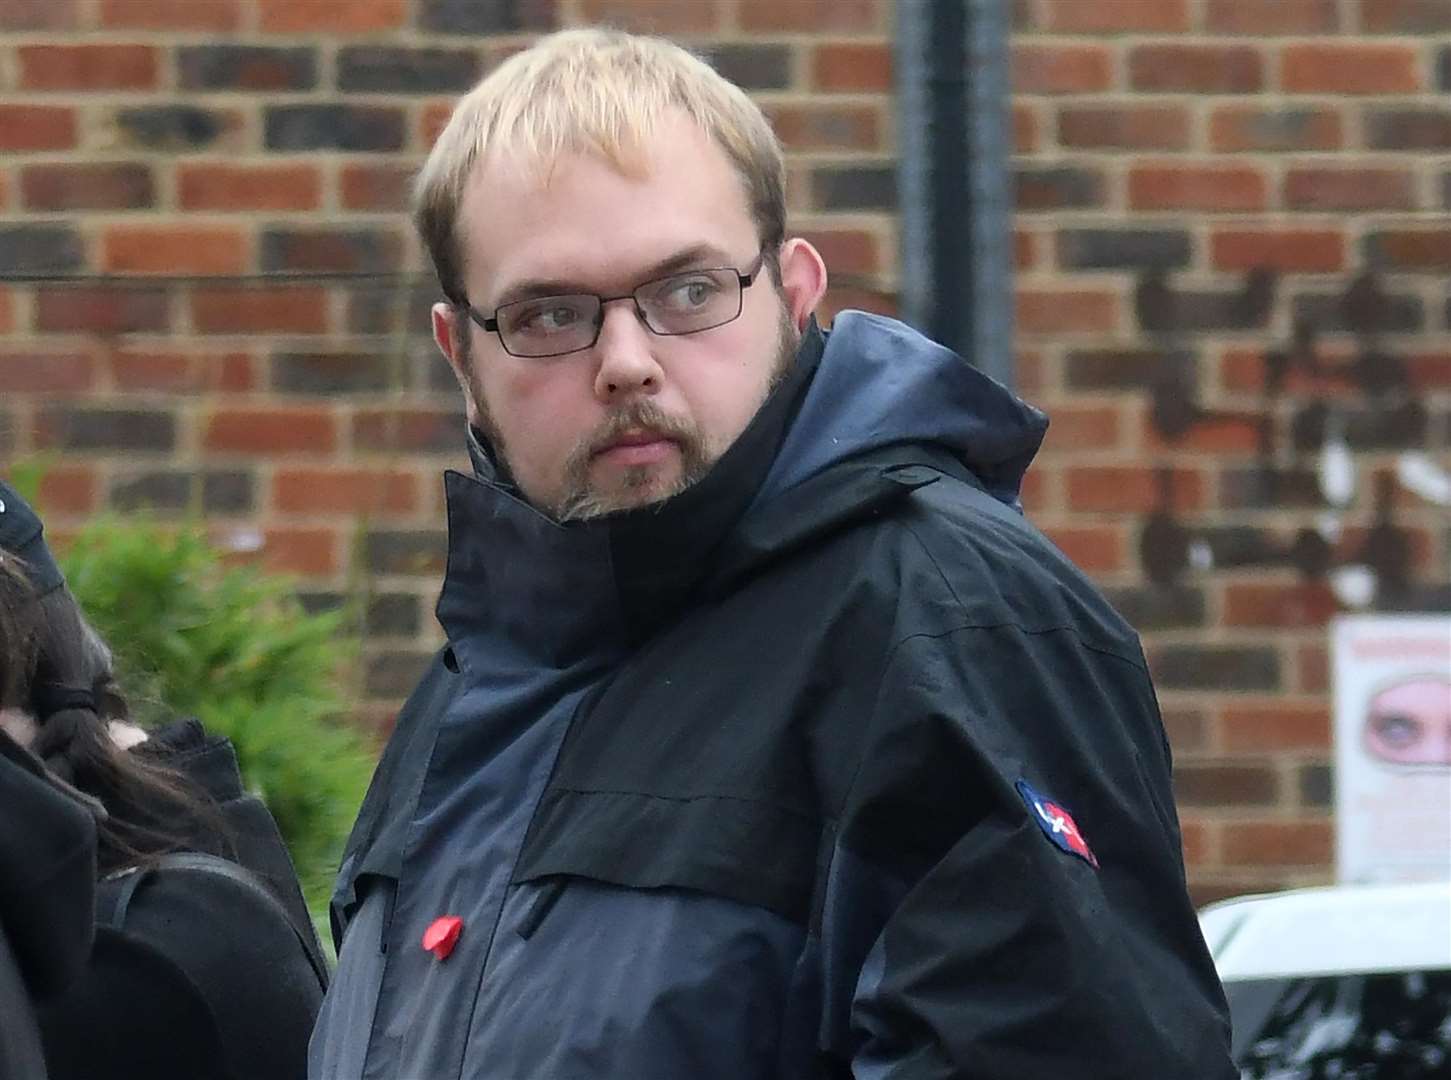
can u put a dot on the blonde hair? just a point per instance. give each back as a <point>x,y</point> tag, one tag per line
<point>592,91</point>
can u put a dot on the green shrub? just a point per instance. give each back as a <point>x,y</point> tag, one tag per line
<point>233,647</point>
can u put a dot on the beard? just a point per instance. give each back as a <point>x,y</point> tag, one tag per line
<point>580,498</point>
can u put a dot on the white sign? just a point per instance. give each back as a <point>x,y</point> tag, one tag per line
<point>1392,747</point>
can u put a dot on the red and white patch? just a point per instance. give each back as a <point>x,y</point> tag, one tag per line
<point>1057,824</point>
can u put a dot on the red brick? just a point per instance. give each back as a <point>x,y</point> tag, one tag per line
<point>344,491</point>
<point>1312,668</point>
<point>39,14</point>
<point>28,372</point>
<point>1204,69</point>
<point>7,312</point>
<point>852,66</point>
<point>1405,16</point>
<point>1115,16</point>
<point>1198,840</point>
<point>1025,128</point>
<point>816,126</point>
<point>118,186</point>
<point>4,192</point>
<point>1029,370</point>
<point>1299,605</point>
<point>1035,490</point>
<point>1244,371</point>
<point>841,297</point>
<point>1061,69</point>
<point>68,490</point>
<point>1025,249</point>
<point>652,16</point>
<point>1049,312</point>
<point>1075,428</point>
<point>300,309</point>
<point>1131,489</point>
<point>331,16</point>
<point>181,373</point>
<point>406,430</point>
<point>1290,250</point>
<point>1246,127</point>
<point>384,186</point>
<point>210,186</point>
<point>1278,843</point>
<point>432,120</point>
<point>809,16</point>
<point>1274,726</point>
<point>171,14</point>
<point>87,67</point>
<point>174,249</point>
<point>1349,69</point>
<point>1212,434</point>
<point>37,127</point>
<point>1346,189</point>
<point>1262,18</point>
<point>100,309</point>
<point>271,431</point>
<point>309,552</point>
<point>1095,549</point>
<point>846,251</point>
<point>1429,371</point>
<point>1199,187</point>
<point>1125,127</point>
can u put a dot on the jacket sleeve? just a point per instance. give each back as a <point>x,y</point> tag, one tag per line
<point>1002,951</point>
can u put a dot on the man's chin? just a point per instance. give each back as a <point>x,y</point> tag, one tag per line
<point>627,489</point>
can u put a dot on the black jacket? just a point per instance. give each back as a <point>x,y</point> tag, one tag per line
<point>830,766</point>
<point>198,970</point>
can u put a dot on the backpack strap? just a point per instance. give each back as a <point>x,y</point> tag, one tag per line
<point>112,905</point>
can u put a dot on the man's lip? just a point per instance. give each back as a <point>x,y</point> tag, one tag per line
<point>633,438</point>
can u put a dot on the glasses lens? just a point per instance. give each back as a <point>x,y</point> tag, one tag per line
<point>549,324</point>
<point>685,303</point>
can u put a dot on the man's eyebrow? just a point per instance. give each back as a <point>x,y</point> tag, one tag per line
<point>697,255</point>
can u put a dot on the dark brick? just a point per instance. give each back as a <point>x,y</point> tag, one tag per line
<point>1446,190</point>
<point>1317,785</point>
<point>1162,308</point>
<point>1408,128</point>
<point>1405,16</point>
<point>487,16</point>
<point>121,186</point>
<point>1232,546</point>
<point>246,67</point>
<point>1159,607</point>
<point>397,70</point>
<point>1443,67</point>
<point>163,491</point>
<point>1212,784</point>
<point>387,309</point>
<point>855,187</point>
<point>357,128</point>
<point>1216,667</point>
<point>106,429</point>
<point>1409,251</point>
<point>40,249</point>
<point>393,674</point>
<point>1397,312</point>
<point>1125,369</point>
<point>1402,426</point>
<point>1058,188</point>
<point>347,250</point>
<point>437,372</point>
<point>101,310</point>
<point>752,67</point>
<point>321,601</point>
<point>406,552</point>
<point>172,127</point>
<point>394,615</point>
<point>1118,249</point>
<point>228,492</point>
<point>333,373</point>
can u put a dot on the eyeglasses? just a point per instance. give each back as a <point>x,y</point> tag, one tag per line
<point>684,303</point>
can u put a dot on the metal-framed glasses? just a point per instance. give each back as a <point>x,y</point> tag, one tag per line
<point>683,303</point>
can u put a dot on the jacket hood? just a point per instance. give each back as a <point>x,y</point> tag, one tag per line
<point>882,384</point>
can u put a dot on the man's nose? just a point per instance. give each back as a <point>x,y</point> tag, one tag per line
<point>627,363</point>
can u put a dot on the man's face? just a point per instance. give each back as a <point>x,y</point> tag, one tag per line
<point>637,416</point>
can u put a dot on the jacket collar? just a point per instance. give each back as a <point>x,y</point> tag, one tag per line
<point>522,589</point>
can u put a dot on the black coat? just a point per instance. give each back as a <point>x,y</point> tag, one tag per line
<point>830,766</point>
<point>198,971</point>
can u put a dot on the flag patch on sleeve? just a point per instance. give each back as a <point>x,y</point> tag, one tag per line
<point>1057,823</point>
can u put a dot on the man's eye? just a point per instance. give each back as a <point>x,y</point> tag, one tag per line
<point>1397,729</point>
<point>545,319</point>
<point>690,293</point>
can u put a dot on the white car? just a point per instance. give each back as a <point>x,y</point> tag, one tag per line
<point>1349,981</point>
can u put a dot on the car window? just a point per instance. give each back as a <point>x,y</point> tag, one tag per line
<point>1343,1027</point>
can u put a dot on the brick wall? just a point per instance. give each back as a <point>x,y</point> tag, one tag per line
<point>1232,245</point>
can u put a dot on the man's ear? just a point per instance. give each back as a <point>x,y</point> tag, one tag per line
<point>803,279</point>
<point>448,331</point>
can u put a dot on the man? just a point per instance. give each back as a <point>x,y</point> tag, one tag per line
<point>769,741</point>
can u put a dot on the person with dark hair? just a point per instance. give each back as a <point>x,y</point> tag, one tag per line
<point>205,962</point>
